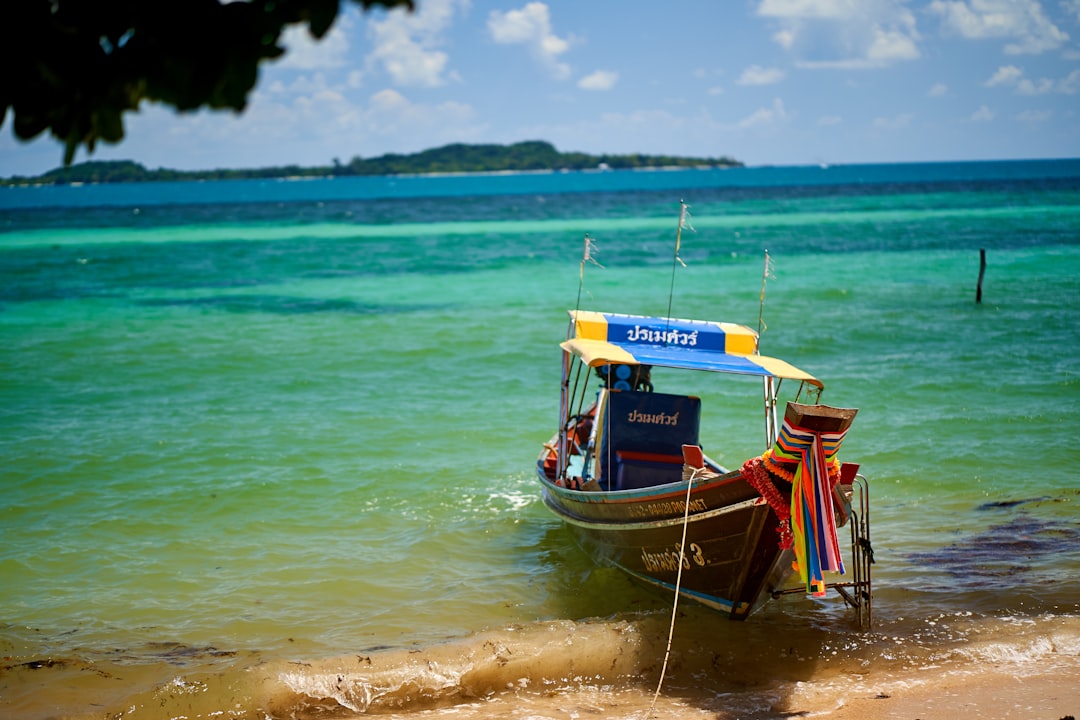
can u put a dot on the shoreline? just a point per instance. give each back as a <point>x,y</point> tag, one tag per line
<point>20,182</point>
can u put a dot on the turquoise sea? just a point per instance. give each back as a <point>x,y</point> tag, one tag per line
<point>267,448</point>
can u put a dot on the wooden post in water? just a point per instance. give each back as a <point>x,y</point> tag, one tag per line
<point>982,271</point>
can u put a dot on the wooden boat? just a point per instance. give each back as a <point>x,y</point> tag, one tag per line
<point>627,474</point>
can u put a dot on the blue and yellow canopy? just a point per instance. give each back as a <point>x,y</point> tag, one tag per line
<point>609,338</point>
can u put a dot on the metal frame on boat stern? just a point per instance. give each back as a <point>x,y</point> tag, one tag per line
<point>861,596</point>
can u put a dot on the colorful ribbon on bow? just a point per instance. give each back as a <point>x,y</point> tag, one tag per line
<point>817,549</point>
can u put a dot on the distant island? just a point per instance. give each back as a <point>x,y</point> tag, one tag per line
<point>528,156</point>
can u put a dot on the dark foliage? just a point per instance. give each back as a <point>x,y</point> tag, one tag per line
<point>74,67</point>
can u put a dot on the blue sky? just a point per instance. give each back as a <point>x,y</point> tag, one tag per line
<point>781,82</point>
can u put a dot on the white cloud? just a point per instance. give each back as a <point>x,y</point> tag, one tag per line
<point>1022,21</point>
<point>757,75</point>
<point>842,33</point>
<point>304,52</point>
<point>302,85</point>
<point>1012,76</point>
<point>708,76</point>
<point>328,95</point>
<point>983,114</point>
<point>388,100</point>
<point>531,26</point>
<point>406,44</point>
<point>766,116</point>
<point>599,80</point>
<point>308,90</point>
<point>1070,84</point>
<point>784,38</point>
<point>1005,75</point>
<point>391,115</point>
<point>938,90</point>
<point>386,119</point>
<point>1033,117</point>
<point>825,9</point>
<point>648,131</point>
<point>1034,87</point>
<point>889,46</point>
<point>894,123</point>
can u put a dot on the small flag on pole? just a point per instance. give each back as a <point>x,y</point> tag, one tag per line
<point>684,222</point>
<point>587,255</point>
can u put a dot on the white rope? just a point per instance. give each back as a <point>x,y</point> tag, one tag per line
<point>678,583</point>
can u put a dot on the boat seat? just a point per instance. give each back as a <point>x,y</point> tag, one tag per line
<point>644,437</point>
<point>640,470</point>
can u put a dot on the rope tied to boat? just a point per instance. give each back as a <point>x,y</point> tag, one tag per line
<point>690,476</point>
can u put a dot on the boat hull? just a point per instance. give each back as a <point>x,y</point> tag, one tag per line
<point>731,560</point>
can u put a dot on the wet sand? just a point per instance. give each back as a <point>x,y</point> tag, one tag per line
<point>1002,669</point>
<point>1007,691</point>
<point>1039,694</point>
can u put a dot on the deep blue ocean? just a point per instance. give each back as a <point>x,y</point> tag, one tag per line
<point>267,447</point>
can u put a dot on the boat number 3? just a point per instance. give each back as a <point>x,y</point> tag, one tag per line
<point>669,559</point>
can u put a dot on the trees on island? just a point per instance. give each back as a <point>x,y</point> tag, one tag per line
<point>518,157</point>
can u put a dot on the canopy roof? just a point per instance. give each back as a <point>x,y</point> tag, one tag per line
<point>606,338</point>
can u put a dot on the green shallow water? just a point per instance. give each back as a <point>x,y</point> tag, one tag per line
<point>303,440</point>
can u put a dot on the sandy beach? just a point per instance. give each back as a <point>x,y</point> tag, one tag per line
<point>1038,694</point>
<point>1013,689</point>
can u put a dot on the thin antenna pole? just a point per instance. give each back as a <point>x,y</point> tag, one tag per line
<point>767,382</point>
<point>676,260</point>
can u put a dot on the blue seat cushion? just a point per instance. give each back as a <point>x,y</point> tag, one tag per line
<point>640,470</point>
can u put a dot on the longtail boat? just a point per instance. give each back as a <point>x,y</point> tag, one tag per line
<point>627,473</point>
